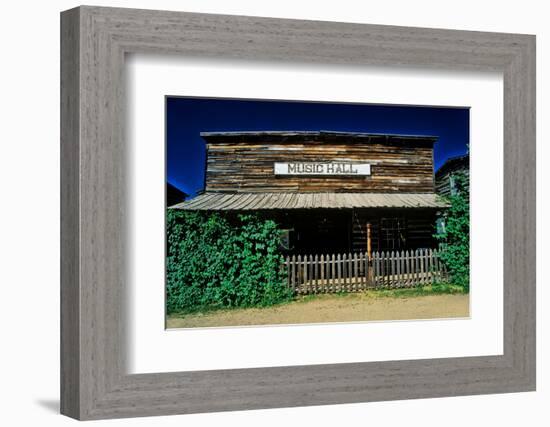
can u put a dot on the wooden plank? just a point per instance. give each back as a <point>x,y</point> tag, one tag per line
<point>345,271</point>
<point>288,277</point>
<point>376,268</point>
<point>393,269</point>
<point>410,266</point>
<point>322,273</point>
<point>316,273</point>
<point>398,263</point>
<point>339,275</point>
<point>441,266</point>
<point>293,274</point>
<point>430,266</point>
<point>364,269</point>
<point>355,284</point>
<point>406,267</point>
<point>422,266</point>
<point>333,273</point>
<point>415,267</point>
<point>383,268</point>
<point>300,271</point>
<point>351,271</point>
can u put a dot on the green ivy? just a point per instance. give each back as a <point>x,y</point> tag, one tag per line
<point>455,238</point>
<point>214,261</point>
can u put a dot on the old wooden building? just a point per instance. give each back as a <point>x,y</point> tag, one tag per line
<point>445,177</point>
<point>331,191</point>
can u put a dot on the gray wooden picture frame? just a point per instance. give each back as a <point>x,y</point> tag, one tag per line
<point>94,382</point>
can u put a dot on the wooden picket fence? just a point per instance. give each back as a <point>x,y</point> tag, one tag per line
<point>352,272</point>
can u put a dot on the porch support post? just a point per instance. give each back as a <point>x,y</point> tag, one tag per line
<point>369,252</point>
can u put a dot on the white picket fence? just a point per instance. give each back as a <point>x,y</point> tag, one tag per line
<point>352,272</point>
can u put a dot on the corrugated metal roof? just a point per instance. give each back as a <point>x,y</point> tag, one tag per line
<point>265,201</point>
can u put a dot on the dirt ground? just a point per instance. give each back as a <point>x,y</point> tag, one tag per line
<point>333,308</point>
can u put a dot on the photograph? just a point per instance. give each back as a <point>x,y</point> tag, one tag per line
<point>297,212</point>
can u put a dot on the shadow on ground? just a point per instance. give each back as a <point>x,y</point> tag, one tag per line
<point>51,405</point>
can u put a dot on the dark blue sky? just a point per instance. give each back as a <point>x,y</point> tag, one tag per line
<point>187,117</point>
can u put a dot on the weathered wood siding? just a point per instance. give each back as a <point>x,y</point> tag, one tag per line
<point>238,166</point>
<point>443,182</point>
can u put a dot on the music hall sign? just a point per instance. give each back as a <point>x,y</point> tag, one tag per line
<point>317,168</point>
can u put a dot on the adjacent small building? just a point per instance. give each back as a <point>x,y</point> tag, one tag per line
<point>333,192</point>
<point>445,177</point>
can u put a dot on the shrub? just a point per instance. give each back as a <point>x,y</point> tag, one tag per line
<point>455,238</point>
<point>214,261</point>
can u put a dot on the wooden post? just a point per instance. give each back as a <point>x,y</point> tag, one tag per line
<point>322,278</point>
<point>315,276</point>
<point>369,253</point>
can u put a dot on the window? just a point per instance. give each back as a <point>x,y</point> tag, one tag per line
<point>285,238</point>
<point>392,234</point>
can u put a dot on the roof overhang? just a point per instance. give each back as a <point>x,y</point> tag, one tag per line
<point>214,201</point>
<point>317,136</point>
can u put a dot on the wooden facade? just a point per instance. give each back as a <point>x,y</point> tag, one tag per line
<point>445,175</point>
<point>243,162</point>
<point>391,205</point>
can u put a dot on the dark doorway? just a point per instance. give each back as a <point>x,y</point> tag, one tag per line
<point>319,231</point>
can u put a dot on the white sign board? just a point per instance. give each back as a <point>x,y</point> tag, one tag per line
<point>315,168</point>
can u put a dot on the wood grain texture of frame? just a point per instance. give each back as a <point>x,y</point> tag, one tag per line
<point>94,382</point>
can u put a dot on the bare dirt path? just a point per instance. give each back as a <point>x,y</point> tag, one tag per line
<point>333,308</point>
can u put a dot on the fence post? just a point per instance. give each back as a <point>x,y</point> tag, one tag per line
<point>293,273</point>
<point>364,268</point>
<point>423,265</point>
<point>379,269</point>
<point>430,266</point>
<point>410,279</point>
<point>398,262</point>
<point>380,256</point>
<point>350,272</point>
<point>437,265</point>
<point>405,268</point>
<point>339,271</point>
<point>298,272</point>
<point>288,272</point>
<point>332,272</point>
<point>346,271</point>
<point>374,269</point>
<point>323,272</point>
<point>356,272</point>
<point>383,268</point>
<point>393,269</point>
<point>305,271</point>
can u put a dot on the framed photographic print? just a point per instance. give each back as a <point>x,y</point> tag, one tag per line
<point>262,213</point>
<point>270,210</point>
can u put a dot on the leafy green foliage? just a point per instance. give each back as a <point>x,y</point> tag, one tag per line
<point>455,238</point>
<point>214,262</point>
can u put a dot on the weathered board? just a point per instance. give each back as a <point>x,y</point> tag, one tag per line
<point>445,176</point>
<point>242,164</point>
